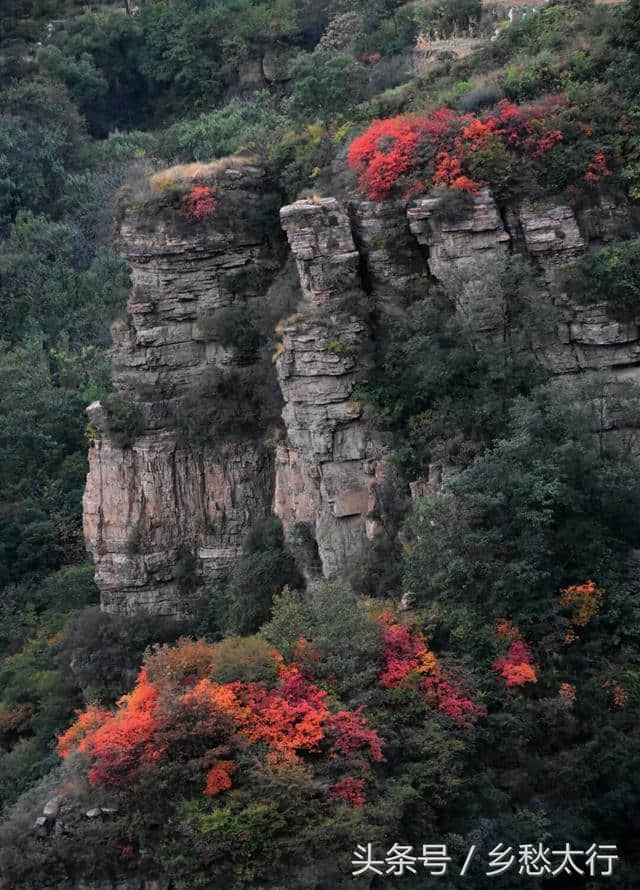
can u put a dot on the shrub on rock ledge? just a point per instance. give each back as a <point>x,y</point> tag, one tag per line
<point>501,148</point>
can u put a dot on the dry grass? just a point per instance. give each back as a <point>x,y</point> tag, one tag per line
<point>196,172</point>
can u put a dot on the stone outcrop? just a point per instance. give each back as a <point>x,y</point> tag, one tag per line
<point>462,253</point>
<point>394,265</point>
<point>460,250</point>
<point>589,338</point>
<point>159,512</point>
<point>164,516</point>
<point>327,468</point>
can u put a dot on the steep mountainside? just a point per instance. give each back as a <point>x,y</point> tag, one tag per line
<point>166,499</point>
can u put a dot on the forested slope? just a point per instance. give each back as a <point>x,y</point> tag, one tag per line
<point>470,675</point>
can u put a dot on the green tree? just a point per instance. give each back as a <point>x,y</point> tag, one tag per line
<point>41,141</point>
<point>555,499</point>
<point>265,567</point>
<point>326,84</point>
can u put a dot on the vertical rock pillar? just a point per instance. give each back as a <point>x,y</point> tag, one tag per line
<point>167,515</point>
<point>327,468</point>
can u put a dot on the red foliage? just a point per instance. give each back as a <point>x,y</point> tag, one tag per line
<point>403,654</point>
<point>219,778</point>
<point>75,738</point>
<point>450,700</point>
<point>125,740</point>
<point>384,153</point>
<point>289,718</point>
<point>353,733</point>
<point>436,150</point>
<point>189,719</point>
<point>517,666</point>
<point>407,660</point>
<point>350,790</point>
<point>199,202</point>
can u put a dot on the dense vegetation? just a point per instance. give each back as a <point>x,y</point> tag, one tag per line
<point>277,732</point>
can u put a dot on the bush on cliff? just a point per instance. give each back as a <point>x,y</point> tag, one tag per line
<point>611,276</point>
<point>265,567</point>
<point>233,326</point>
<point>124,419</point>
<point>227,404</point>
<point>513,149</point>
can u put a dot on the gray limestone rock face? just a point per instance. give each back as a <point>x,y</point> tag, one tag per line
<point>148,506</point>
<point>460,251</point>
<point>589,337</point>
<point>163,500</point>
<point>327,469</point>
<point>394,263</point>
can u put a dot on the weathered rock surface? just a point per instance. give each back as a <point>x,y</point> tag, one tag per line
<point>460,252</point>
<point>393,265</point>
<point>589,338</point>
<point>151,508</point>
<point>165,516</point>
<point>327,468</point>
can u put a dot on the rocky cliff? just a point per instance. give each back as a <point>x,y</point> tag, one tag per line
<point>166,514</point>
<point>169,512</point>
<point>327,468</point>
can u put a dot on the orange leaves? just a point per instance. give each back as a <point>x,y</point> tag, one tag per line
<point>517,667</point>
<point>404,653</point>
<point>187,717</point>
<point>219,778</point>
<point>190,660</point>
<point>291,718</point>
<point>507,629</point>
<point>123,740</point>
<point>567,691</point>
<point>519,673</point>
<point>584,600</point>
<point>478,132</point>
<point>218,696</point>
<point>75,738</point>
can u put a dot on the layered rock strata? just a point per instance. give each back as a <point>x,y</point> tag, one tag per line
<point>393,264</point>
<point>328,467</point>
<point>164,516</point>
<point>462,253</point>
